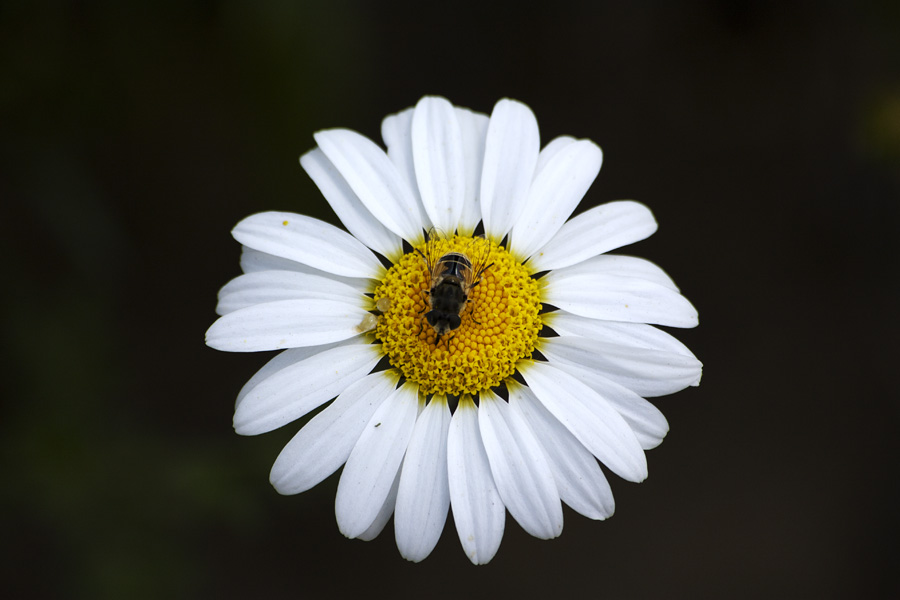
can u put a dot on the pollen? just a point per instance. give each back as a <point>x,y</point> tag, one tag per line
<point>499,325</point>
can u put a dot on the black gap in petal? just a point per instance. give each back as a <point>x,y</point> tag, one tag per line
<point>383,364</point>
<point>387,264</point>
<point>501,391</point>
<point>536,355</point>
<point>548,308</point>
<point>452,402</point>
<point>479,230</point>
<point>547,332</point>
<point>518,377</point>
<point>539,274</point>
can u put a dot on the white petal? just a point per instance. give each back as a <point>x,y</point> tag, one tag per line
<point>438,157</point>
<point>477,508</point>
<point>595,231</point>
<point>647,422</point>
<point>424,496</point>
<point>474,130</point>
<point>291,392</point>
<point>617,298</point>
<point>396,131</point>
<point>520,469</point>
<point>640,335</point>
<point>619,265</point>
<point>374,461</point>
<point>384,515</point>
<point>287,358</point>
<point>590,418</point>
<point>271,286</point>
<point>554,147</point>
<point>253,261</point>
<point>555,192</point>
<point>376,181</point>
<point>286,324</point>
<point>644,371</point>
<point>324,444</point>
<point>347,206</point>
<point>309,241</point>
<point>510,155</point>
<point>577,474</point>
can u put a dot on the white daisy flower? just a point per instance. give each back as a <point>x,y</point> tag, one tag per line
<point>480,407</point>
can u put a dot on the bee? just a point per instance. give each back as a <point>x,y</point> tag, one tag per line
<point>453,276</point>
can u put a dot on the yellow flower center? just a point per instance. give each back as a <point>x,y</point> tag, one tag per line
<point>499,319</point>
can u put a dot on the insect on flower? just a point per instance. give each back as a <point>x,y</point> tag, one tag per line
<point>453,276</point>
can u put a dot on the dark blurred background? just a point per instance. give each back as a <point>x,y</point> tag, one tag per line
<point>764,135</point>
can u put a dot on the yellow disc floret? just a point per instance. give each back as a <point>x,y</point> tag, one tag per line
<point>499,326</point>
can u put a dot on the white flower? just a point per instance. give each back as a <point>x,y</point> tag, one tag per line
<point>444,437</point>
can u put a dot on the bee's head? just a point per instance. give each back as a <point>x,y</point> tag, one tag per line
<point>443,322</point>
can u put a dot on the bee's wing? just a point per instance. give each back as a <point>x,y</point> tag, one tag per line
<point>431,254</point>
<point>478,255</point>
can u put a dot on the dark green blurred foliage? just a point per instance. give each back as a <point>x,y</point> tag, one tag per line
<point>134,135</point>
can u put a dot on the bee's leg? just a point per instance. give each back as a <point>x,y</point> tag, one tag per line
<point>425,293</point>
<point>424,308</point>
<point>450,339</point>
<point>471,310</point>
<point>480,273</point>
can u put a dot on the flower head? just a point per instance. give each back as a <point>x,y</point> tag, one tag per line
<point>515,359</point>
